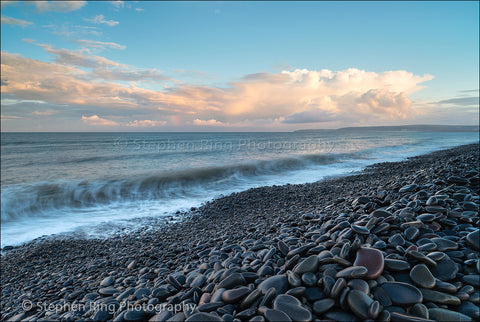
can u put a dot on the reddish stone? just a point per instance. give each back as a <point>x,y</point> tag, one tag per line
<point>372,259</point>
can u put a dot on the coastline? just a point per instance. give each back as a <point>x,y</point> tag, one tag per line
<point>230,233</point>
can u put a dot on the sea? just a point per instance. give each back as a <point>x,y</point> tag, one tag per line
<point>99,184</point>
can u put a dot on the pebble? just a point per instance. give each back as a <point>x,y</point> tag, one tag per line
<point>421,276</point>
<point>107,291</point>
<point>278,282</point>
<point>444,315</point>
<point>372,259</point>
<point>359,285</point>
<point>309,264</point>
<point>473,280</point>
<point>276,316</point>
<point>203,317</point>
<point>402,294</point>
<point>322,306</point>
<point>352,272</point>
<point>107,281</point>
<point>292,307</point>
<point>295,252</point>
<point>473,239</point>
<point>235,295</point>
<point>360,230</point>
<point>446,269</point>
<point>396,265</point>
<point>359,303</point>
<point>439,297</point>
<point>235,279</point>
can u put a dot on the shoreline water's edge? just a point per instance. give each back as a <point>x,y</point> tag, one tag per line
<point>261,233</point>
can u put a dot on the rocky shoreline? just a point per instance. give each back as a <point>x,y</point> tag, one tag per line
<point>397,242</point>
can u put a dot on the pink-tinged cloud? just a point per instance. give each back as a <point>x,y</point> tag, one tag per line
<point>99,44</point>
<point>211,122</point>
<point>58,6</point>
<point>98,121</point>
<point>100,19</point>
<point>293,96</point>
<point>13,21</point>
<point>145,123</point>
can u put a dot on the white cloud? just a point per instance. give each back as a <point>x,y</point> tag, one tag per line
<point>5,3</point>
<point>58,6</point>
<point>145,123</point>
<point>100,19</point>
<point>14,21</point>
<point>9,117</point>
<point>117,4</point>
<point>73,31</point>
<point>99,44</point>
<point>44,113</point>
<point>211,122</point>
<point>96,121</point>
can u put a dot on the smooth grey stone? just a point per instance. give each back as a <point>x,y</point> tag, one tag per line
<point>211,306</point>
<point>439,297</point>
<point>419,310</point>
<point>403,317</point>
<point>276,316</point>
<point>396,265</point>
<point>313,294</point>
<point>408,188</point>
<point>204,317</point>
<point>107,281</point>
<point>233,280</point>
<point>359,303</point>
<point>338,287</point>
<point>279,282</point>
<point>411,233</point>
<point>322,306</point>
<point>107,291</point>
<point>402,294</point>
<point>297,291</point>
<point>436,256</point>
<point>360,229</point>
<point>444,244</point>
<point>198,281</point>
<point>134,315</point>
<point>441,315</point>
<point>235,295</point>
<point>141,292</point>
<point>421,276</point>
<point>396,240</point>
<point>473,239</point>
<point>292,307</point>
<point>352,272</point>
<point>341,316</point>
<point>309,264</point>
<point>472,280</point>
<point>309,279</point>
<point>470,309</point>
<point>374,309</point>
<point>359,285</point>
<point>446,269</point>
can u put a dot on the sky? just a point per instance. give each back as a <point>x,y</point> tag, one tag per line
<point>237,66</point>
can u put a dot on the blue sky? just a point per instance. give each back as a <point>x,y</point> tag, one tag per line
<point>163,66</point>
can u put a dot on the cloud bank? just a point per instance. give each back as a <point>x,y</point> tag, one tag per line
<point>296,96</point>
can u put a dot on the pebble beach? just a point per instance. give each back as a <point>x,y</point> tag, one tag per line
<point>398,241</point>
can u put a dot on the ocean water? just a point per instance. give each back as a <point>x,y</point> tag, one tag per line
<point>103,183</point>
